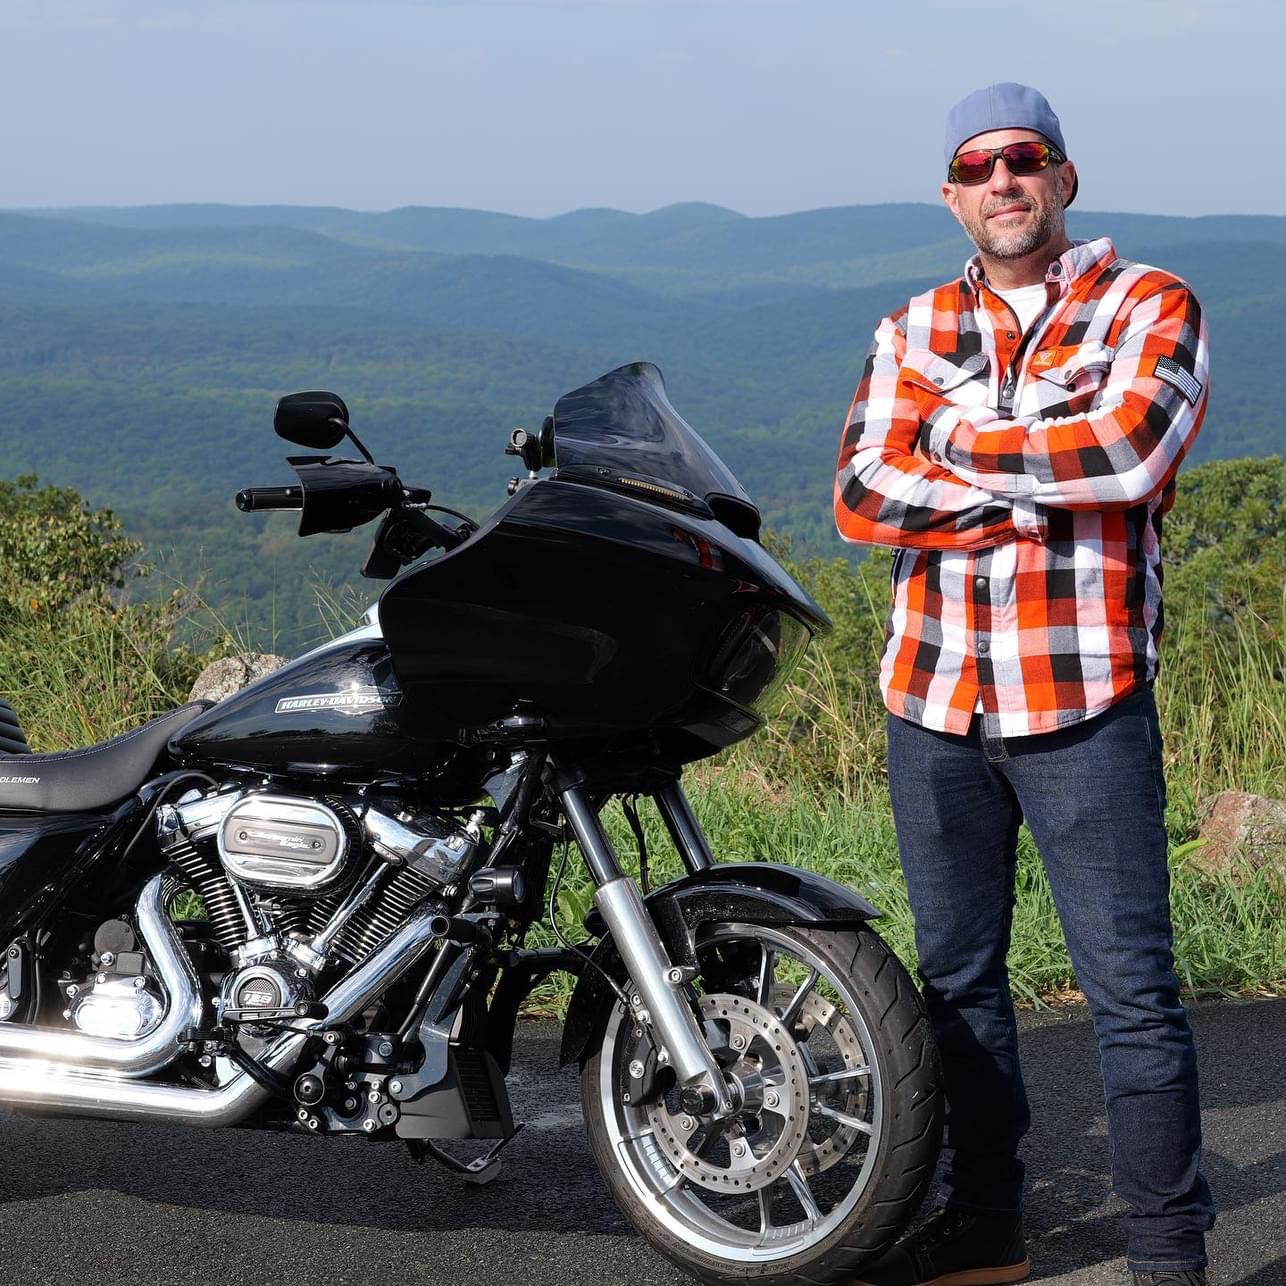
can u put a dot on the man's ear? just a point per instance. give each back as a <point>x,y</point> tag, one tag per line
<point>952,200</point>
<point>1067,179</point>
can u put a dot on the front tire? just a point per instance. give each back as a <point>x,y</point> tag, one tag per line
<point>837,1135</point>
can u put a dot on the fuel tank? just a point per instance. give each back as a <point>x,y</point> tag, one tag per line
<point>337,711</point>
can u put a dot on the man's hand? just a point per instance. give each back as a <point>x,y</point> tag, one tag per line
<point>927,399</point>
<point>887,492</point>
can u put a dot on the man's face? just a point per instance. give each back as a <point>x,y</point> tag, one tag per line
<point>1007,216</point>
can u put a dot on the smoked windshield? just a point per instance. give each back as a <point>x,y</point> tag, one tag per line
<point>623,423</point>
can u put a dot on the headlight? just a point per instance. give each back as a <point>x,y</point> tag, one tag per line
<point>756,654</point>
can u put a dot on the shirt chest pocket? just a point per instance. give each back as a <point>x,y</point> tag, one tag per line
<point>1066,379</point>
<point>964,381</point>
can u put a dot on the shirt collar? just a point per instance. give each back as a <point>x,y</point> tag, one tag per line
<point>1084,257</point>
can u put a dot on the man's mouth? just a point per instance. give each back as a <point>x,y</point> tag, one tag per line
<point>1009,209</point>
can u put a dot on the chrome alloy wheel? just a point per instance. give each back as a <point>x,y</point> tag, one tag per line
<point>784,1173</point>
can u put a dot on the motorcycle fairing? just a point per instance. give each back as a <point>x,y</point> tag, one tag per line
<point>625,597</point>
<point>541,611</point>
<point>743,892</point>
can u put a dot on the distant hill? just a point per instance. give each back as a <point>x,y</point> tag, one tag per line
<point>142,349</point>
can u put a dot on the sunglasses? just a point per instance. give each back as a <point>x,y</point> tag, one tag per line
<point>1020,159</point>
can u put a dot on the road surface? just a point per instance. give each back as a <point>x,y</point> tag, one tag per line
<point>86,1203</point>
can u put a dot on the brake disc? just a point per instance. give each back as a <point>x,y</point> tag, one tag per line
<point>816,1155</point>
<point>768,1074</point>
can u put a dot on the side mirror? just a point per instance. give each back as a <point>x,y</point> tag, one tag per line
<point>318,421</point>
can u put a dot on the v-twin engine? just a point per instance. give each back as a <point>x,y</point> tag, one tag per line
<point>311,880</point>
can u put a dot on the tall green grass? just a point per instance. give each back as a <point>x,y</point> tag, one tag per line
<point>811,789</point>
<point>87,670</point>
<point>1230,932</point>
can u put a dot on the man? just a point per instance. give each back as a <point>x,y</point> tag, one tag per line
<point>1015,436</point>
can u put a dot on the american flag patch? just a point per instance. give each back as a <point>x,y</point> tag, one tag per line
<point>1169,370</point>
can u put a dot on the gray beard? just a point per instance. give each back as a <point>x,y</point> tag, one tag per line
<point>1017,245</point>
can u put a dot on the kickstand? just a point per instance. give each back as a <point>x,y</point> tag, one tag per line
<point>478,1171</point>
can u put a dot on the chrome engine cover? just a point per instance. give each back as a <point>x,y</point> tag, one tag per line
<point>118,1008</point>
<point>265,989</point>
<point>283,842</point>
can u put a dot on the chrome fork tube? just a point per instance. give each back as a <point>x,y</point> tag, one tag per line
<point>658,984</point>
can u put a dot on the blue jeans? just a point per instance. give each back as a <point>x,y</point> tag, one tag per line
<point>1094,798</point>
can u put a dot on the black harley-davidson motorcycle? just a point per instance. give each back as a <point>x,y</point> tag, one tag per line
<point>371,829</point>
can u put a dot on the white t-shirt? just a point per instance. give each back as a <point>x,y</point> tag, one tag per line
<point>1028,302</point>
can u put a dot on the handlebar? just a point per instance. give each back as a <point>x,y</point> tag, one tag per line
<point>253,499</point>
<point>345,494</point>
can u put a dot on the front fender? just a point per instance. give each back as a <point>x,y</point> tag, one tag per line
<point>736,892</point>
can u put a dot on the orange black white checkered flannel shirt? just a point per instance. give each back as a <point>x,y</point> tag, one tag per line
<point>1022,479</point>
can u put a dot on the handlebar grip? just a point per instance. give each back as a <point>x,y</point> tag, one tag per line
<point>253,499</point>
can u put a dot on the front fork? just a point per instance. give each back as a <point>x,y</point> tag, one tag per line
<point>657,996</point>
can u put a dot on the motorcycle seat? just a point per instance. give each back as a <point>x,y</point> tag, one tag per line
<point>77,781</point>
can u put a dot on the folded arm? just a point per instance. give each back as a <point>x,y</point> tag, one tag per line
<point>1121,453</point>
<point>888,493</point>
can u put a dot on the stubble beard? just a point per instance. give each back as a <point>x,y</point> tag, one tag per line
<point>1046,223</point>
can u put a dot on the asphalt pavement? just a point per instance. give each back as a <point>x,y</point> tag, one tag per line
<point>85,1203</point>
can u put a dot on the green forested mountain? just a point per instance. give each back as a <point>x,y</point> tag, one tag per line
<point>141,350</point>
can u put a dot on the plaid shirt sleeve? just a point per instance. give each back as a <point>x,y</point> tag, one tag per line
<point>1121,453</point>
<point>888,493</point>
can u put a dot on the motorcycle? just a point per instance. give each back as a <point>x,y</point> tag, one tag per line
<point>371,832</point>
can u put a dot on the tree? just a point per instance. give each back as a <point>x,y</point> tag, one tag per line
<point>54,549</point>
<point>79,658</point>
<point>1225,545</point>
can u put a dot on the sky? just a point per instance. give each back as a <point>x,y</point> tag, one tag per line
<point>536,107</point>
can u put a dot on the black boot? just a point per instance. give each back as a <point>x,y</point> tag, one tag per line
<point>954,1248</point>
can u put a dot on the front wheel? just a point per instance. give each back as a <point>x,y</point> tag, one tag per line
<point>832,1066</point>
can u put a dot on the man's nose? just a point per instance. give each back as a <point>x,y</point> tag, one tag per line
<point>1001,180</point>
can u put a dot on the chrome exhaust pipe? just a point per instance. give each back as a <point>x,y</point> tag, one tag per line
<point>38,1082</point>
<point>128,1058</point>
<point>70,1091</point>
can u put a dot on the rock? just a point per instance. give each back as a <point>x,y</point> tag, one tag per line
<point>222,678</point>
<point>1243,833</point>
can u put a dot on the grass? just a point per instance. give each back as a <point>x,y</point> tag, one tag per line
<point>85,672</point>
<point>1230,933</point>
<point>810,790</point>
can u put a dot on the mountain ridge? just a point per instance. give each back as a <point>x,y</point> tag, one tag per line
<point>140,364</point>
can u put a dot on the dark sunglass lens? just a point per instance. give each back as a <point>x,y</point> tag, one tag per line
<point>1026,158</point>
<point>972,167</point>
